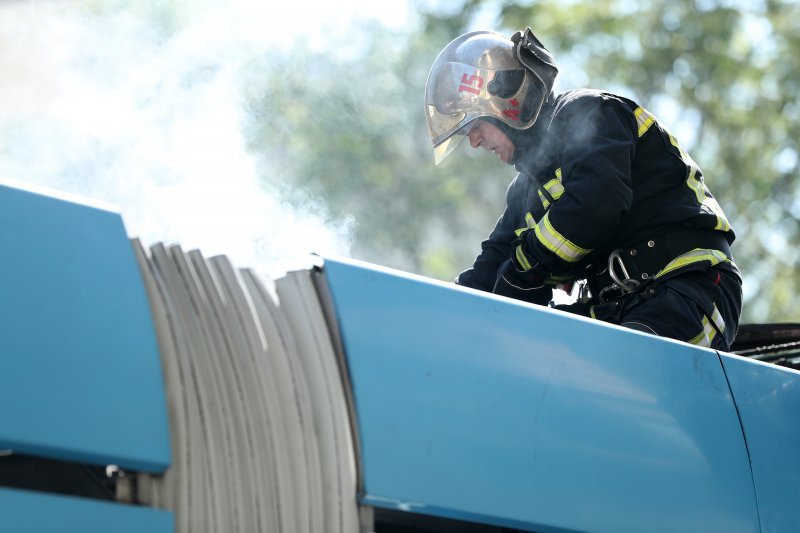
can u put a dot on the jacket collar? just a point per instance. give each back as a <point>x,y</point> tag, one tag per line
<point>531,144</point>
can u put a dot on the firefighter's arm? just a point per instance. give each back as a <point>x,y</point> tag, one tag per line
<point>494,249</point>
<point>494,272</point>
<point>596,175</point>
<point>482,274</point>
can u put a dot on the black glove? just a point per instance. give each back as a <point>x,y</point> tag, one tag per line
<point>526,286</point>
<point>524,279</point>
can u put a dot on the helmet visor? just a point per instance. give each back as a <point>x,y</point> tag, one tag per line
<point>446,147</point>
<point>447,131</point>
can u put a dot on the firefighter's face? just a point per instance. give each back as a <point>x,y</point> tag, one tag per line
<point>489,137</point>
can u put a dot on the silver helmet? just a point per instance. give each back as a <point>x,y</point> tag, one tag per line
<point>485,74</point>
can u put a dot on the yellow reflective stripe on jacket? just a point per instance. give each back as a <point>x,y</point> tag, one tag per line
<point>543,198</point>
<point>553,187</point>
<point>522,259</point>
<point>710,329</point>
<point>714,257</point>
<point>705,337</point>
<point>696,185</point>
<point>530,221</point>
<point>557,243</point>
<point>644,119</point>
<point>699,189</point>
<point>716,318</point>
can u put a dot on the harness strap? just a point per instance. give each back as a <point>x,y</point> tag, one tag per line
<point>638,265</point>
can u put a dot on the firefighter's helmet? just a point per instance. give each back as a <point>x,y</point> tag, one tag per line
<point>485,74</point>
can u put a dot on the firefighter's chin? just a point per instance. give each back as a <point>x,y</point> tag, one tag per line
<point>506,155</point>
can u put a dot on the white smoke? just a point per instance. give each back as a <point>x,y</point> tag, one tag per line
<point>140,107</point>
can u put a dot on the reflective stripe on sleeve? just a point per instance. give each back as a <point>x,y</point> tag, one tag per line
<point>529,221</point>
<point>543,198</point>
<point>522,259</point>
<point>553,187</point>
<point>700,190</point>
<point>710,329</point>
<point>644,119</point>
<point>716,318</point>
<point>557,243</point>
<point>705,337</point>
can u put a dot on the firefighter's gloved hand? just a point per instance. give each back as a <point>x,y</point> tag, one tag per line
<point>526,286</point>
<point>524,279</point>
<point>523,268</point>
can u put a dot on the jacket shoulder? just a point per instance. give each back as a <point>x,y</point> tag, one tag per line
<point>580,102</point>
<point>585,111</point>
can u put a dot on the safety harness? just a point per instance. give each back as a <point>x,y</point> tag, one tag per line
<point>627,275</point>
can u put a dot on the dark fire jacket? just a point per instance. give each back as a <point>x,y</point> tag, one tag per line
<point>597,172</point>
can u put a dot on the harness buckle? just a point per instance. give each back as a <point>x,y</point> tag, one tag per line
<point>622,280</point>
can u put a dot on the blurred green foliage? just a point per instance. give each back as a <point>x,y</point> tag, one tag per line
<point>352,132</point>
<point>722,75</point>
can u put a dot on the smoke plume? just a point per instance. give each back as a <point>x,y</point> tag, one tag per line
<point>138,105</point>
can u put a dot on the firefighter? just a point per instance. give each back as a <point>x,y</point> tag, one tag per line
<point>604,196</point>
